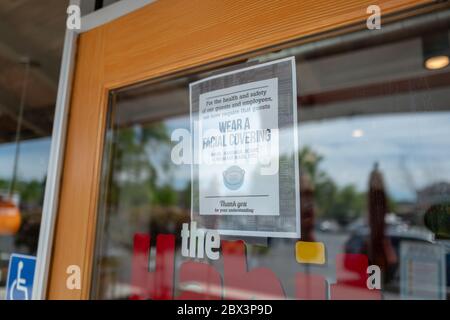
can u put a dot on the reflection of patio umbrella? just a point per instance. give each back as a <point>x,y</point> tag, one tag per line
<point>380,249</point>
<point>307,207</point>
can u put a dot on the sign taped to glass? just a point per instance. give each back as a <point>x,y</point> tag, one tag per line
<point>244,180</point>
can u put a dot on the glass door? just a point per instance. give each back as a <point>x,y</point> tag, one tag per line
<point>370,120</point>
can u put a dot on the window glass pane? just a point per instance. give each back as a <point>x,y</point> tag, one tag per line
<point>31,46</point>
<point>373,153</point>
<point>21,199</point>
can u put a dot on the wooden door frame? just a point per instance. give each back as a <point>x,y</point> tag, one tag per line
<point>161,39</point>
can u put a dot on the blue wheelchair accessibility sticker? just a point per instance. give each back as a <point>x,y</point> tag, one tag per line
<point>20,277</point>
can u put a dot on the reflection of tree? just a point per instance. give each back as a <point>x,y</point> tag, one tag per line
<point>141,194</point>
<point>332,201</point>
<point>30,192</point>
<point>135,173</point>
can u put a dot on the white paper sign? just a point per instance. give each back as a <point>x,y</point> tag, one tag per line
<point>242,185</point>
<point>237,126</point>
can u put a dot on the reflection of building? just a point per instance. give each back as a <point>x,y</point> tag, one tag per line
<point>406,210</point>
<point>433,194</point>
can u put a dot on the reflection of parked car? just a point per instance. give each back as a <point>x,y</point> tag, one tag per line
<point>329,226</point>
<point>358,240</point>
<point>357,243</point>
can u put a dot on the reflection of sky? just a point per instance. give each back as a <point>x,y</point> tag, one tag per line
<point>33,159</point>
<point>413,150</point>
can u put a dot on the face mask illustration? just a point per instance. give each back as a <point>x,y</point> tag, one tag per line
<point>233,177</point>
